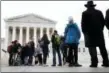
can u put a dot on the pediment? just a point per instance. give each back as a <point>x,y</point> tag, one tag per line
<point>30,18</point>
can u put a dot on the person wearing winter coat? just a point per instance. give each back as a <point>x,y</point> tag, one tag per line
<point>38,53</point>
<point>31,50</point>
<point>10,53</point>
<point>92,27</point>
<point>44,44</point>
<point>24,53</point>
<point>72,36</point>
<point>107,19</point>
<point>16,50</point>
<point>16,47</point>
<point>56,48</point>
<point>64,49</point>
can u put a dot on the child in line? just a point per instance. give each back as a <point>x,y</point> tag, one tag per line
<point>38,53</point>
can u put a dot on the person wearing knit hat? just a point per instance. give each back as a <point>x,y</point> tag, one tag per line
<point>72,36</point>
<point>70,19</point>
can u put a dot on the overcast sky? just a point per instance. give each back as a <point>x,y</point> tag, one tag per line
<point>55,10</point>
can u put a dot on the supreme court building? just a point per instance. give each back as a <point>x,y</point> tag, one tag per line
<point>28,27</point>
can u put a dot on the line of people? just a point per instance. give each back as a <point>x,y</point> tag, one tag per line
<point>28,50</point>
<point>92,25</point>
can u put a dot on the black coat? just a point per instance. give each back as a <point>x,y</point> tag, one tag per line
<point>92,27</point>
<point>45,48</point>
<point>25,51</point>
<point>107,19</point>
<point>31,51</point>
<point>16,47</point>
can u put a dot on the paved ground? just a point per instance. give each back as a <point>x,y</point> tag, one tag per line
<point>83,59</point>
<point>85,68</point>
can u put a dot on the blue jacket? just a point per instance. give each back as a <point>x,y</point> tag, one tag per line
<point>72,34</point>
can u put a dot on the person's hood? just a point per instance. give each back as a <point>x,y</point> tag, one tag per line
<point>71,24</point>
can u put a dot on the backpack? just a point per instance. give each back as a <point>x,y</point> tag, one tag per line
<point>57,39</point>
<point>70,35</point>
<point>9,48</point>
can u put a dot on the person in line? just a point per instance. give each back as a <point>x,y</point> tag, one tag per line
<point>64,49</point>
<point>23,53</point>
<point>31,50</point>
<point>44,44</point>
<point>92,27</point>
<point>10,53</point>
<point>107,19</point>
<point>26,50</point>
<point>38,53</point>
<point>72,36</point>
<point>16,49</point>
<point>56,48</point>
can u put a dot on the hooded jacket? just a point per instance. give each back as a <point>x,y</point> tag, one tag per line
<point>72,33</point>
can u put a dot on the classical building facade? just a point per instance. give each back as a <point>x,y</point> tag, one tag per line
<point>28,27</point>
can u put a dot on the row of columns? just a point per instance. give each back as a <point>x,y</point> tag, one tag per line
<point>27,34</point>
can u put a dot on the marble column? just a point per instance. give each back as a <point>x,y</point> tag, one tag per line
<point>21,35</point>
<point>7,37</point>
<point>53,30</point>
<point>48,33</point>
<point>35,35</point>
<point>41,32</point>
<point>14,34</point>
<point>27,34</point>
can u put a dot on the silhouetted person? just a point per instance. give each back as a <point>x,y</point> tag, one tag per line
<point>72,36</point>
<point>45,48</point>
<point>92,27</point>
<point>107,19</point>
